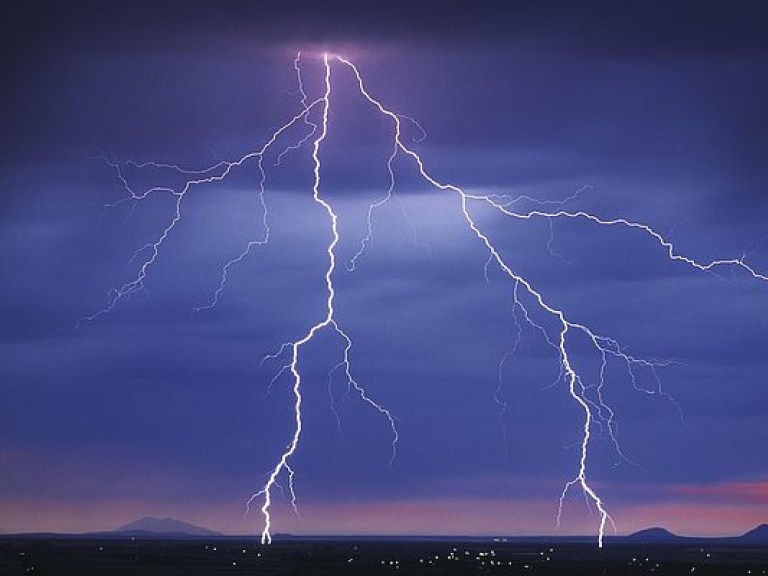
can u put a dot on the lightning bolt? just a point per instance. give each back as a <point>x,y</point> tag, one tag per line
<point>328,321</point>
<point>586,395</point>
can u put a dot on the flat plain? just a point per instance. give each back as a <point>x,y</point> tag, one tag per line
<point>212,557</point>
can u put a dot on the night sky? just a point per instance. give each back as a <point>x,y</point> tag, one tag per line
<point>654,111</point>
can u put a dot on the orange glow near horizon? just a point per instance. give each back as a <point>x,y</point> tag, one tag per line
<point>424,516</point>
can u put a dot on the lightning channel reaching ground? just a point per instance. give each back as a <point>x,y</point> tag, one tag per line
<point>328,321</point>
<point>586,395</point>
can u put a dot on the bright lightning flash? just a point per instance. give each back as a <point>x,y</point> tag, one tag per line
<point>314,116</point>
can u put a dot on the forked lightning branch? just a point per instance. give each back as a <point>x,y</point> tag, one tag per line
<point>311,124</point>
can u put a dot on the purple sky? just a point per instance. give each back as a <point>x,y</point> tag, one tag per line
<point>656,113</point>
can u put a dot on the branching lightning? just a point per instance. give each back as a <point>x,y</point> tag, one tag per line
<point>586,395</point>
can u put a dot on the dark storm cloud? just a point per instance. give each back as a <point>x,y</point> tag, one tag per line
<point>658,107</point>
<point>632,89</point>
<point>39,37</point>
<point>631,27</point>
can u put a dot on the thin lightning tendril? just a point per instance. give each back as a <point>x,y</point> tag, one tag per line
<point>587,396</point>
<point>136,285</point>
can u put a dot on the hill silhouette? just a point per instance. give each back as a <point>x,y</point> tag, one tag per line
<point>758,534</point>
<point>653,535</point>
<point>153,525</point>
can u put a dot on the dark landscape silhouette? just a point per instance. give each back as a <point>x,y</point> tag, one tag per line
<point>161,546</point>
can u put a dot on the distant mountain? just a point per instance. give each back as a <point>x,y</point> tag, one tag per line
<point>653,536</point>
<point>758,535</point>
<point>152,525</point>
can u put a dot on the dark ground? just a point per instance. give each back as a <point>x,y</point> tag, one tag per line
<point>88,557</point>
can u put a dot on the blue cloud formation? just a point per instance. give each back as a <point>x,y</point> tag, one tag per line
<point>657,111</point>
